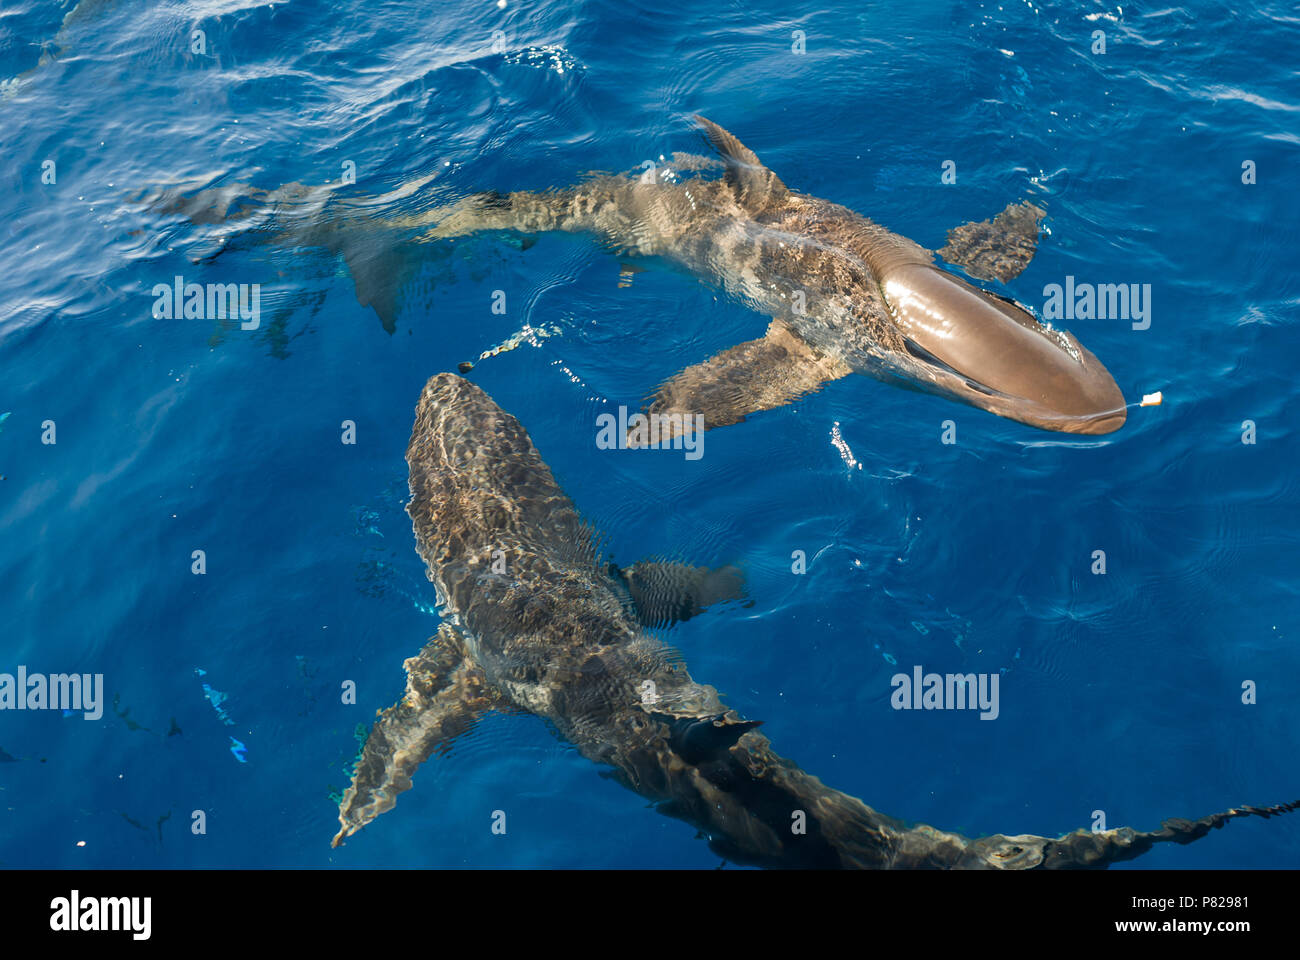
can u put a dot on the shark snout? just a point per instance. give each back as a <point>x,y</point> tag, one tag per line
<point>990,352</point>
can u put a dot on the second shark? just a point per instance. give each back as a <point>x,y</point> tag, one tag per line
<point>565,637</point>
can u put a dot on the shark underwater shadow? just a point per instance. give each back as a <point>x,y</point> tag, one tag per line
<point>563,636</point>
<point>846,295</point>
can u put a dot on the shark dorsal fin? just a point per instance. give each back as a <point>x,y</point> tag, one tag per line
<point>755,185</point>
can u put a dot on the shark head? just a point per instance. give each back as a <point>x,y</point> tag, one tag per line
<point>992,353</point>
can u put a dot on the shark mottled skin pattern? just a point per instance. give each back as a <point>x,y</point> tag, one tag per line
<point>558,635</point>
<point>853,296</point>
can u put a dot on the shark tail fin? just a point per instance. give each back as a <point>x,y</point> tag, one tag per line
<point>446,693</point>
<point>382,269</point>
<point>1082,849</point>
<point>754,184</point>
<point>375,251</point>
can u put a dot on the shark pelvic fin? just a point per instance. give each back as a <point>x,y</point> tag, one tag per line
<point>761,374</point>
<point>446,693</point>
<point>664,593</point>
<point>754,184</point>
<point>997,249</point>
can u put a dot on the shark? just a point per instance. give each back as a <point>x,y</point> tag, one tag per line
<point>560,633</point>
<point>844,293</point>
<point>53,50</point>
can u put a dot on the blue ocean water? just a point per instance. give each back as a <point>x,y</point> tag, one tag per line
<point>1120,692</point>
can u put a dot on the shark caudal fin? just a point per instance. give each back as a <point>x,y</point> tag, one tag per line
<point>1084,850</point>
<point>378,253</point>
<point>755,185</point>
<point>446,693</point>
<point>238,208</point>
<point>997,249</point>
<point>776,369</point>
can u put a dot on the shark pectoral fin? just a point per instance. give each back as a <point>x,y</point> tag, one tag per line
<point>754,184</point>
<point>446,693</point>
<point>761,374</point>
<point>997,249</point>
<point>664,593</point>
<point>1084,849</point>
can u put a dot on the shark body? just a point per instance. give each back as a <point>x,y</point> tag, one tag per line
<point>562,635</point>
<point>846,294</point>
